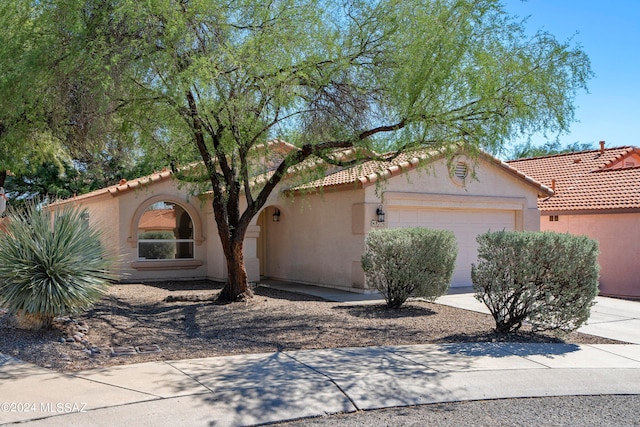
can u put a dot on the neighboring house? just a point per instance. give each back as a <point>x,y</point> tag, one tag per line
<point>161,219</point>
<point>597,194</point>
<point>313,232</point>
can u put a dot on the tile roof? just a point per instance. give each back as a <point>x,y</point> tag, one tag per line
<point>158,219</point>
<point>371,171</point>
<point>367,172</point>
<point>586,180</point>
<point>122,187</point>
<point>357,176</point>
<point>274,150</point>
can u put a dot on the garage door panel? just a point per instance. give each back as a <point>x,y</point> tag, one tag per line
<point>465,224</point>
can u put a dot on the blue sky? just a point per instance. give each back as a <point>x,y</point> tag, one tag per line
<point>609,32</point>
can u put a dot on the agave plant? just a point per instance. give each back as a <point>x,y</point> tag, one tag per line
<point>51,264</point>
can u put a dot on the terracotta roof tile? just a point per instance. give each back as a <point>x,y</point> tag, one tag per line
<point>584,180</point>
<point>121,187</point>
<point>369,172</point>
<point>366,173</point>
<point>158,219</point>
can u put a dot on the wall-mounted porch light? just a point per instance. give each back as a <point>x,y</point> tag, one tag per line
<point>276,215</point>
<point>380,214</point>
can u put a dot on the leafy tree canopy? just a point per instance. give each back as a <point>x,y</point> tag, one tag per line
<point>216,79</point>
<point>50,181</point>
<point>58,112</point>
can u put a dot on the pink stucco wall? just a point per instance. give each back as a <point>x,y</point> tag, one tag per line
<point>618,236</point>
<point>314,241</point>
<point>116,216</point>
<point>320,237</point>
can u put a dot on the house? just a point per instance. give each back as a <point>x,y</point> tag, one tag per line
<point>597,194</point>
<point>313,232</point>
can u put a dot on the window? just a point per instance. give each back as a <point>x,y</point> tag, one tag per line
<point>165,231</point>
<point>553,218</point>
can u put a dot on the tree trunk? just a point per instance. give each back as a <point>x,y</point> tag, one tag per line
<point>3,176</point>
<point>237,286</point>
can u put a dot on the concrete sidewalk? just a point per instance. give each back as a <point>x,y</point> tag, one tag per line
<point>263,388</point>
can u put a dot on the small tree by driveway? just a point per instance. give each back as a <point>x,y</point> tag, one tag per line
<point>547,279</point>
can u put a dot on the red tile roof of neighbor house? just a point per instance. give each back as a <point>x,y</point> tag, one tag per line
<point>158,219</point>
<point>603,179</point>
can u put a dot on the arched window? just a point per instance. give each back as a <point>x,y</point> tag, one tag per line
<point>165,231</point>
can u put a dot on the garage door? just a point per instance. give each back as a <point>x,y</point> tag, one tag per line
<point>465,224</point>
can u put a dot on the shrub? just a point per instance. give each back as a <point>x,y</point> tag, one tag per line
<point>157,250</point>
<point>406,262</point>
<point>51,265</point>
<point>547,279</point>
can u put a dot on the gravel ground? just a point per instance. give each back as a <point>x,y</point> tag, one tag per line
<point>181,320</point>
<point>578,411</point>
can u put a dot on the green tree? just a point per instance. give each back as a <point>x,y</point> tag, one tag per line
<point>528,150</point>
<point>23,138</point>
<point>221,78</point>
<point>53,180</point>
<point>57,111</point>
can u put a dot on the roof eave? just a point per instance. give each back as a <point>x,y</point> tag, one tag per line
<point>543,190</point>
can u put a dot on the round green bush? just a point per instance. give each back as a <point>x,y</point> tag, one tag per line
<point>547,279</point>
<point>406,262</point>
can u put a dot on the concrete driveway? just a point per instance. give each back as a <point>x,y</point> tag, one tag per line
<point>610,317</point>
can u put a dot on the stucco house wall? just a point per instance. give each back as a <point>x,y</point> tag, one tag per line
<point>118,212</point>
<point>489,199</point>
<point>618,236</point>
<point>317,240</point>
<point>596,194</point>
<point>318,236</point>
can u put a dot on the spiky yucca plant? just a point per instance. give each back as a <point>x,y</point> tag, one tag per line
<point>51,264</point>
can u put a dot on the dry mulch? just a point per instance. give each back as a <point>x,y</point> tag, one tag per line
<point>183,321</point>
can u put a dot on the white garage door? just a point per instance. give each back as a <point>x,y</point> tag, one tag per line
<point>465,224</point>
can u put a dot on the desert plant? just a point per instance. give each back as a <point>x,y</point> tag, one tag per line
<point>547,279</point>
<point>406,262</point>
<point>51,264</point>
